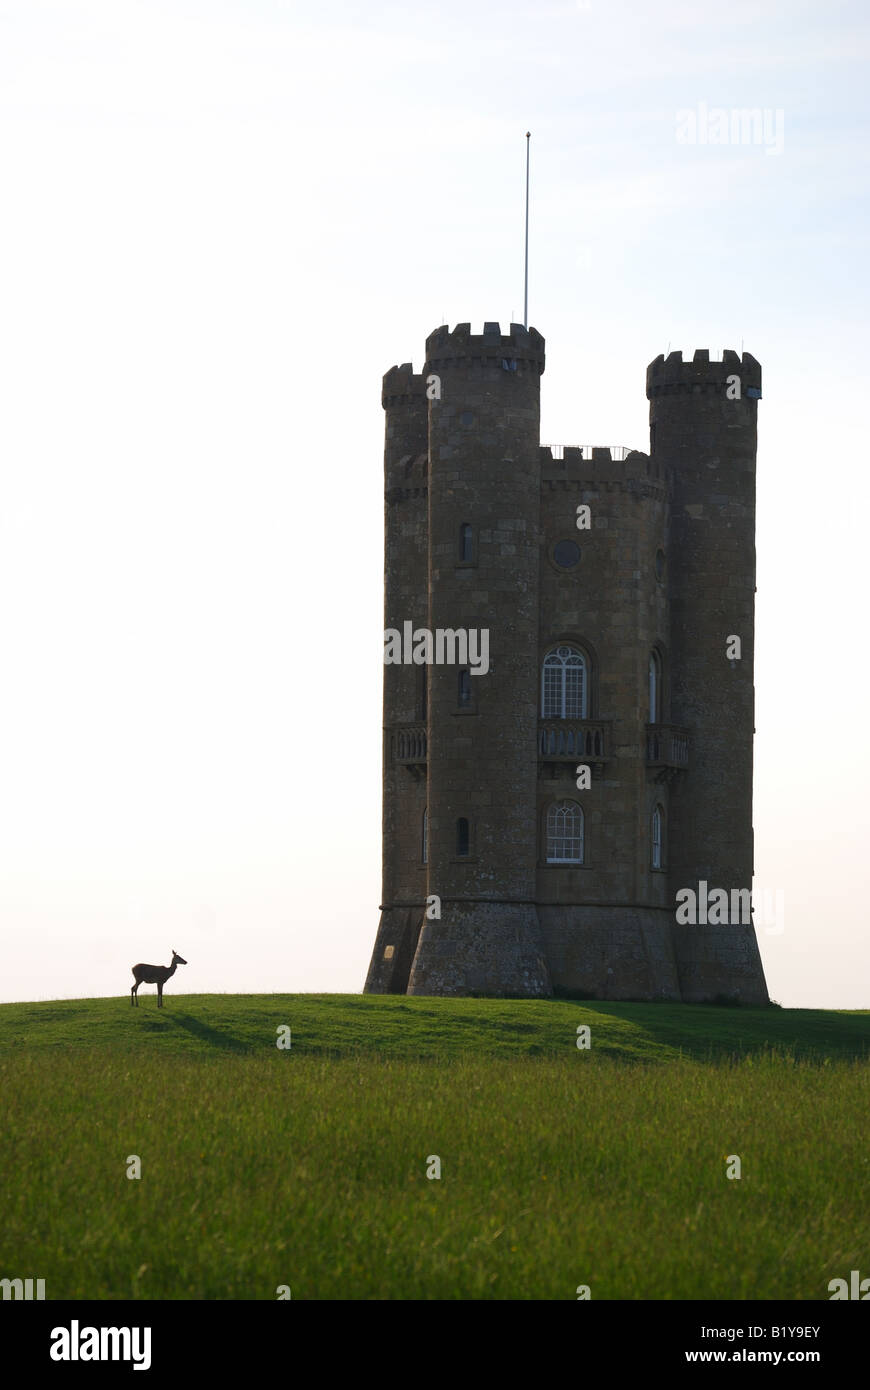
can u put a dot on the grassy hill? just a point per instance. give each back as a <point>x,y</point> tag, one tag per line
<point>398,1027</point>
<point>307,1168</point>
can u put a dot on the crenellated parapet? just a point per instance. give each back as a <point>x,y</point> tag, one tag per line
<point>401,385</point>
<point>617,466</point>
<point>672,376</point>
<point>522,349</point>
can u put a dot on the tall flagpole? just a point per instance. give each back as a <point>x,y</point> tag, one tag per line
<point>526,293</point>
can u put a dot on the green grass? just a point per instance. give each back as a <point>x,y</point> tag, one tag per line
<point>307,1167</point>
<point>399,1027</point>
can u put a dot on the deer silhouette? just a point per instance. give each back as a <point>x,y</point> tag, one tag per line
<point>154,975</point>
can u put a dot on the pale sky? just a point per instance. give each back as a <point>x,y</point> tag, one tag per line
<point>221,221</point>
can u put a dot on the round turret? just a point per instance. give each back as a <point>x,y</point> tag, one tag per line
<point>703,422</point>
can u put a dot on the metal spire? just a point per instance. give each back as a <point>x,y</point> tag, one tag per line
<point>526,291</point>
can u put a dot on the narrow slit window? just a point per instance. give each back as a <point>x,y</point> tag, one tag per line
<point>462,837</point>
<point>464,688</point>
<point>466,543</point>
<point>657,837</point>
<point>655,688</point>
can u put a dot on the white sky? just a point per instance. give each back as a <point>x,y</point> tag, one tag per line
<point>220,222</point>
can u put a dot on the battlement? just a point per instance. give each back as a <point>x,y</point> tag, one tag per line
<point>402,384</point>
<point>670,375</point>
<point>520,345</point>
<point>591,464</point>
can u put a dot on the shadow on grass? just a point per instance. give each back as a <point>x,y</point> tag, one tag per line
<point>212,1036</point>
<point>711,1031</point>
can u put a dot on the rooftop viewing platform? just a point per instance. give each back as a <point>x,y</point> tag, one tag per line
<point>589,451</point>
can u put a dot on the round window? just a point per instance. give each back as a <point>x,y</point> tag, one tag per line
<point>566,554</point>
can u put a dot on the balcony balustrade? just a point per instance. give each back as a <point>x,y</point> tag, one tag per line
<point>408,744</point>
<point>566,740</point>
<point>667,746</point>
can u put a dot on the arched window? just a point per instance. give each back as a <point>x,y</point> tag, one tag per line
<point>466,543</point>
<point>464,688</point>
<point>425,846</point>
<point>655,688</point>
<point>565,833</point>
<point>462,837</point>
<point>657,837</point>
<point>564,684</point>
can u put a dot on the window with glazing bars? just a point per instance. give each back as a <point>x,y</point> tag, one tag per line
<point>564,684</point>
<point>565,833</point>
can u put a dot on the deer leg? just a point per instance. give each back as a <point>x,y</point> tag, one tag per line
<point>134,997</point>
<point>160,996</point>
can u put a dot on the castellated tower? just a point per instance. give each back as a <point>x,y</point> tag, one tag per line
<point>703,427</point>
<point>550,789</point>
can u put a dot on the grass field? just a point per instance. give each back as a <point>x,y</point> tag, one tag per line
<point>307,1167</point>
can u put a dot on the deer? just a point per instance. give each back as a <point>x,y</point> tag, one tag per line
<point>154,975</point>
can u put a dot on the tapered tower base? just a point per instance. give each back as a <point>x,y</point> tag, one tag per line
<point>482,948</point>
<point>395,947</point>
<point>719,963</point>
<point>611,952</point>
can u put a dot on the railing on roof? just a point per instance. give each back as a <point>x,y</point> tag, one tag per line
<point>618,452</point>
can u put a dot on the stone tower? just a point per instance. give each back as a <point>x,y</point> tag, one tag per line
<point>543,806</point>
<point>703,428</point>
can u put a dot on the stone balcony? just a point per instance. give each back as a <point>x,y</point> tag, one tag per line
<point>561,741</point>
<point>408,745</point>
<point>573,740</point>
<point>667,747</point>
